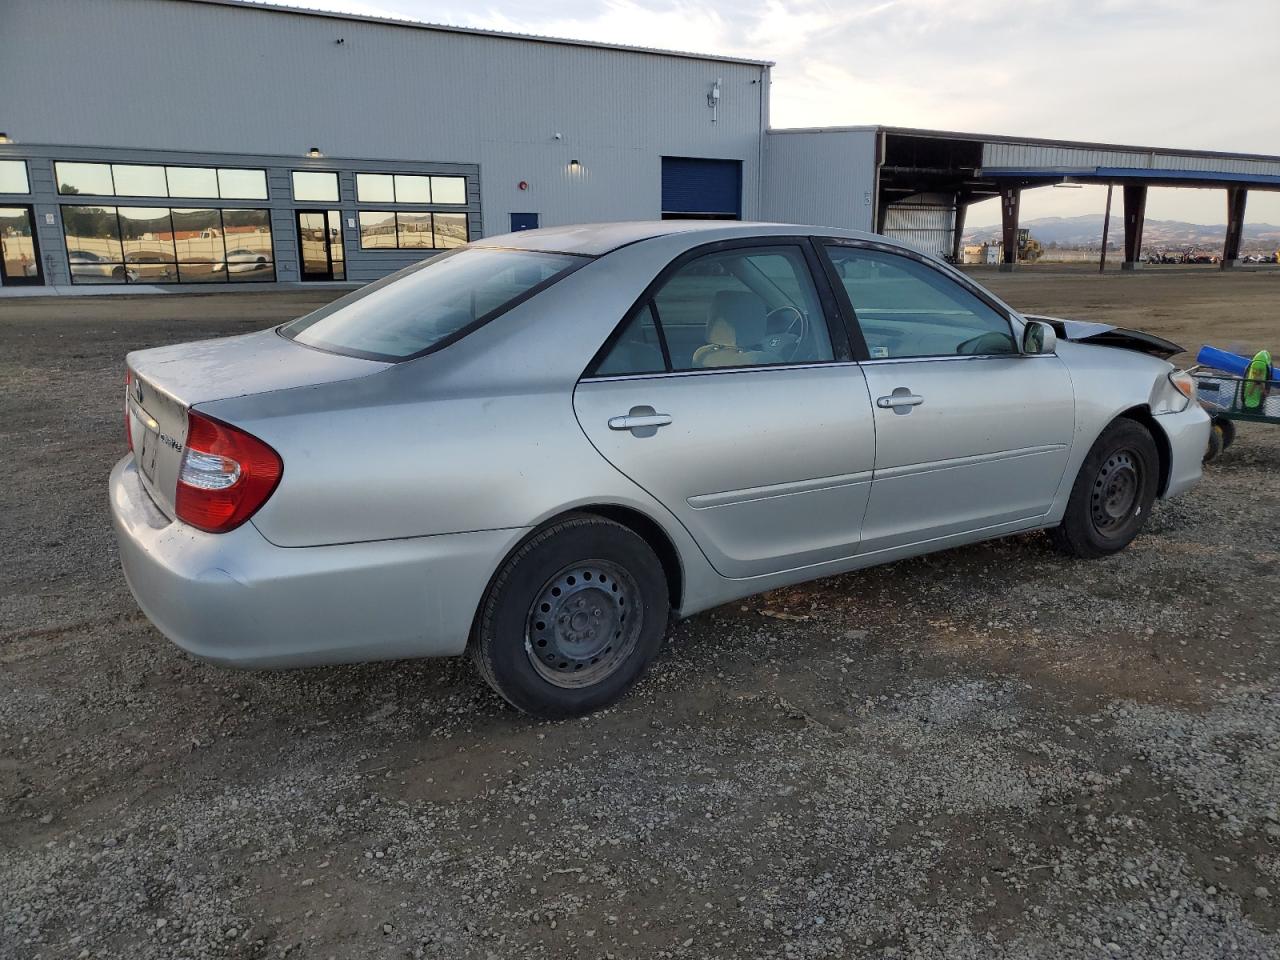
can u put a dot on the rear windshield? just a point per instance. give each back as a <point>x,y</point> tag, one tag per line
<point>429,304</point>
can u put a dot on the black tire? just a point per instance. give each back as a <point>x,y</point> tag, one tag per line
<point>1228,428</point>
<point>1216,444</point>
<point>572,619</point>
<point>1113,493</point>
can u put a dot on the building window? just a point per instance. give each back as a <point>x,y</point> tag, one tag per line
<point>449,190</point>
<point>167,245</point>
<point>410,188</point>
<point>87,178</point>
<point>148,180</point>
<point>136,180</point>
<point>375,188</point>
<point>192,181</point>
<point>235,184</point>
<point>13,177</point>
<point>313,186</point>
<point>405,230</point>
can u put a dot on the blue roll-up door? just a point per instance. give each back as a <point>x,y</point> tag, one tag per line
<point>695,187</point>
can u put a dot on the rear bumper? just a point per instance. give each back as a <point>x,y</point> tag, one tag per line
<point>236,599</point>
<point>1188,436</point>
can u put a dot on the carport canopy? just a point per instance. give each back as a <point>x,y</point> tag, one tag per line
<point>966,168</point>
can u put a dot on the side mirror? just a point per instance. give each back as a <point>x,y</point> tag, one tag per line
<point>1038,338</point>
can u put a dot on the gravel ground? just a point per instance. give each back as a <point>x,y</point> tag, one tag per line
<point>992,752</point>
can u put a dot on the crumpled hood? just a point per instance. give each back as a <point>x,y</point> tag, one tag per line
<point>1109,335</point>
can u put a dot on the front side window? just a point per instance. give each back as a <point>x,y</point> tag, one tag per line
<point>908,309</point>
<point>410,312</point>
<point>748,307</point>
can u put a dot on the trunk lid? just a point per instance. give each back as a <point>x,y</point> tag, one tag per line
<point>165,382</point>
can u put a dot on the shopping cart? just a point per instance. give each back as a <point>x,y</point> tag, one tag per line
<point>1228,398</point>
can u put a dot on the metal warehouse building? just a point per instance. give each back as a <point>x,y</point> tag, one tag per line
<point>220,142</point>
<point>201,141</point>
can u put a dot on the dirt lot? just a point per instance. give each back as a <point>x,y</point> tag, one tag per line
<point>994,752</point>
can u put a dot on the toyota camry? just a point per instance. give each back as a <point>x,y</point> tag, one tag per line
<point>540,448</point>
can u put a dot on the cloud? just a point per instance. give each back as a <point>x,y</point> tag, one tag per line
<point>1177,73</point>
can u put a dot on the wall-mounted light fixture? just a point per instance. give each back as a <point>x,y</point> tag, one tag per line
<point>4,137</point>
<point>713,100</point>
<point>574,166</point>
<point>314,152</point>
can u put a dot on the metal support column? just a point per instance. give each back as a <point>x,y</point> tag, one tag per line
<point>1106,230</point>
<point>1010,199</point>
<point>957,242</point>
<point>1236,197</point>
<point>1135,217</point>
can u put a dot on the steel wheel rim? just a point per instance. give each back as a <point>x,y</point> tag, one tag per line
<point>1117,491</point>
<point>584,623</point>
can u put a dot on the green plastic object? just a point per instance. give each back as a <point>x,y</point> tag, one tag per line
<point>1253,392</point>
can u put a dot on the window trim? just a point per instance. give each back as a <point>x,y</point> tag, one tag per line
<point>836,328</point>
<point>854,325</point>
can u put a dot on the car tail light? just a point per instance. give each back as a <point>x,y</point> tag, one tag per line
<point>226,475</point>
<point>128,421</point>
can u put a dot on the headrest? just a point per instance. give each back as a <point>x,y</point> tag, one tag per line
<point>737,319</point>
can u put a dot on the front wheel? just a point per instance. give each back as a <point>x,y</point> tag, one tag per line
<point>1113,493</point>
<point>573,618</point>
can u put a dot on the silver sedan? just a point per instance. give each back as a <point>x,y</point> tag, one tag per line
<point>539,448</point>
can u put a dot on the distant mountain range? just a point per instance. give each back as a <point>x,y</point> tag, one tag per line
<point>1086,231</point>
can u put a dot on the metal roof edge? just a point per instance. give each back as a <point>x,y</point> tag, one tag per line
<point>1079,144</point>
<point>858,128</point>
<point>474,31</point>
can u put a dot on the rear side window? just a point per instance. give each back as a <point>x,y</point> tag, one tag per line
<point>908,309</point>
<point>747,307</point>
<point>430,304</point>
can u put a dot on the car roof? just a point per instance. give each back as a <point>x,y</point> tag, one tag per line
<point>597,239</point>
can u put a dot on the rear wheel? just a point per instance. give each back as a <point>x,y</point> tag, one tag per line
<point>1112,495</point>
<point>573,618</point>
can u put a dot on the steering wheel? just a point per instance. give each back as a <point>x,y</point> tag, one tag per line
<point>794,328</point>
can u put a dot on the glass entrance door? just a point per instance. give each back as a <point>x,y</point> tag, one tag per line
<point>320,252</point>
<point>19,251</point>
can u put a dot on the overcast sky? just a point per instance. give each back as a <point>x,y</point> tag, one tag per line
<point>1179,73</point>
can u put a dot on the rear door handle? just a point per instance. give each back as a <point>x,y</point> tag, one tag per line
<point>632,422</point>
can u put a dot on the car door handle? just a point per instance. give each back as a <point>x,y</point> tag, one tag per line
<point>896,399</point>
<point>634,422</point>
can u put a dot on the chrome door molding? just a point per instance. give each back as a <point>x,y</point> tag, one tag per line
<point>933,466</point>
<point>773,490</point>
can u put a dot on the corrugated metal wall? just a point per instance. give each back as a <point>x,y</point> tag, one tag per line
<point>166,74</point>
<point>927,221</point>
<point>822,177</point>
<point>1023,155</point>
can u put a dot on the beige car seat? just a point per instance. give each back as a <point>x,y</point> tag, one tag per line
<point>736,325</point>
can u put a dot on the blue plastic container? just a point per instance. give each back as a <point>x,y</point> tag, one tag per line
<point>1231,363</point>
